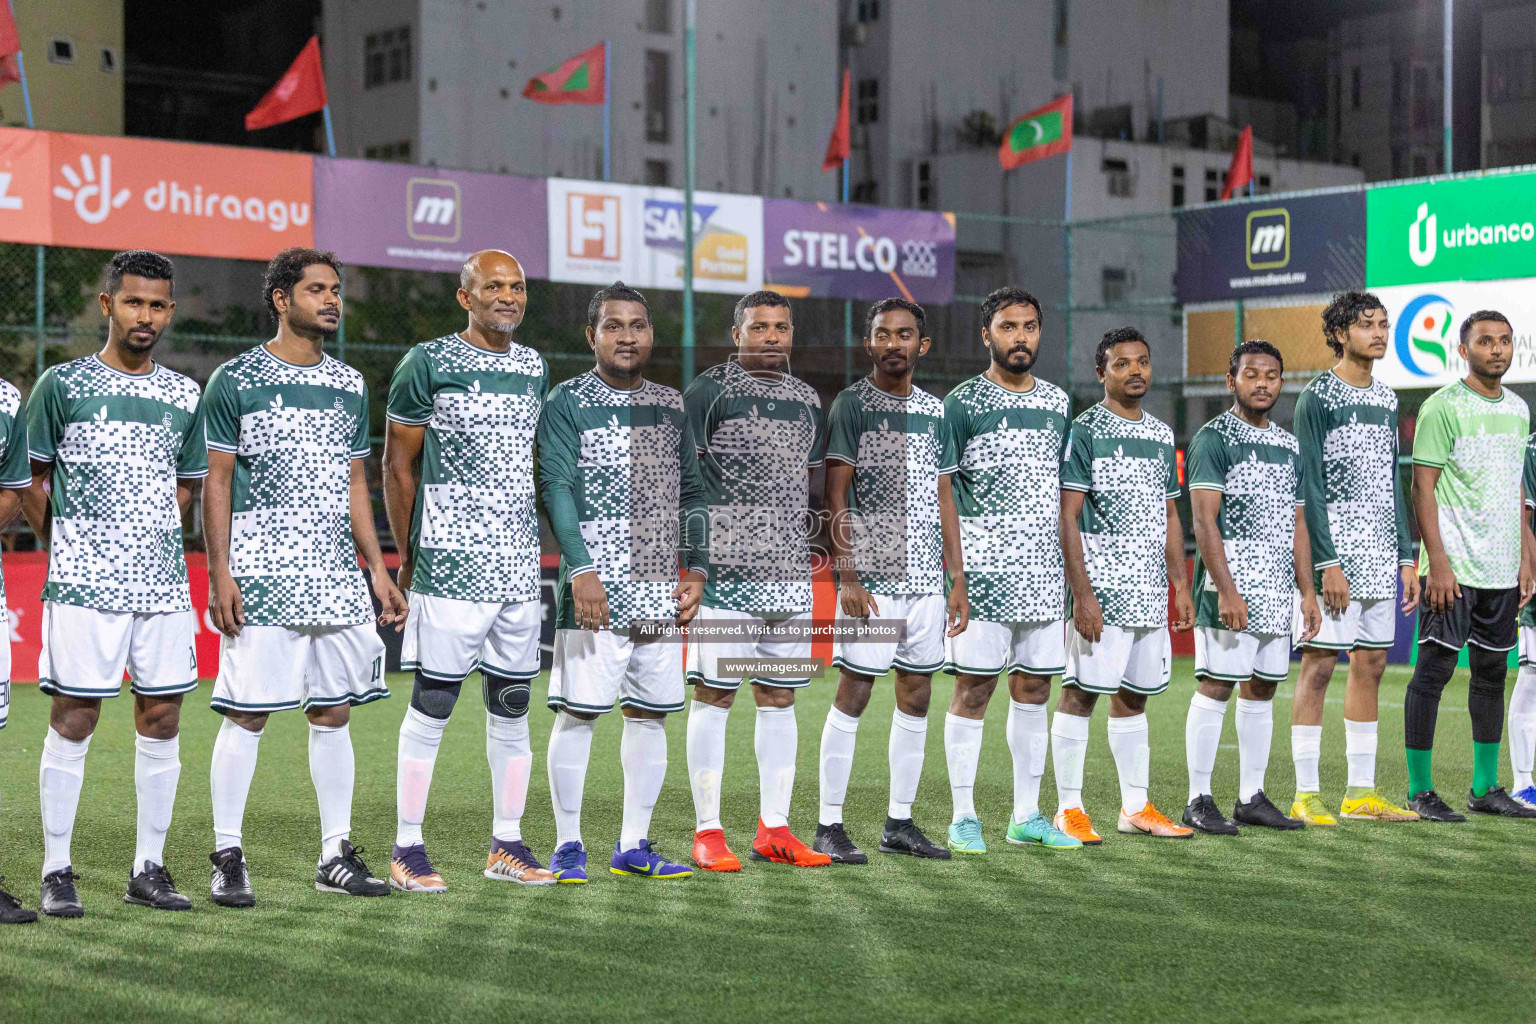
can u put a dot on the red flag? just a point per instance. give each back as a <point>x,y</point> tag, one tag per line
<point>1044,131</point>
<point>839,145</point>
<point>10,46</point>
<point>1241,171</point>
<point>300,91</point>
<point>578,80</point>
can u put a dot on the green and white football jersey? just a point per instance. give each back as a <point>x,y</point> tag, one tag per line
<point>118,442</point>
<point>1528,483</point>
<point>899,447</point>
<point>294,431</point>
<point>620,478</point>
<point>475,528</point>
<point>15,473</point>
<point>1009,446</point>
<point>1356,516</point>
<point>1128,471</point>
<point>1258,475</point>
<point>758,438</point>
<point>1478,444</point>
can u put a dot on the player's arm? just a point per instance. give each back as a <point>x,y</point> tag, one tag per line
<point>1527,553</point>
<point>186,490</point>
<point>402,447</point>
<point>366,537</point>
<point>224,603</point>
<point>693,530</point>
<point>15,473</point>
<point>856,602</point>
<point>1301,553</point>
<point>10,503</point>
<point>1440,586</point>
<point>1173,555</point>
<point>34,502</point>
<point>1311,430</point>
<point>954,561</point>
<point>1087,616</point>
<point>559,446</point>
<point>1205,507</point>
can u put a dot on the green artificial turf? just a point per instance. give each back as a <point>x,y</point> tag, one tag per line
<point>1367,921</point>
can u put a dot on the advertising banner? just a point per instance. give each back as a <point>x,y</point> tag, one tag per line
<point>858,252</point>
<point>1426,323</point>
<point>600,232</point>
<point>1284,247</point>
<point>110,193</point>
<point>1467,229</point>
<point>422,218</point>
<point>24,213</point>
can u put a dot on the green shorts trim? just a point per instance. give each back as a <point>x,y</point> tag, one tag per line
<point>55,689</point>
<point>1124,685</point>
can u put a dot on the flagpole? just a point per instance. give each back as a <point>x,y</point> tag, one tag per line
<point>330,136</point>
<point>847,303</point>
<point>39,320</point>
<point>1066,230</point>
<point>607,87</point>
<point>690,14</point>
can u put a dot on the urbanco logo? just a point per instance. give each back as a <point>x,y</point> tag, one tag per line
<point>93,199</point>
<point>1421,336</point>
<point>1422,252</point>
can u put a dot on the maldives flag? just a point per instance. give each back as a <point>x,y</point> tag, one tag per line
<point>1241,171</point>
<point>1040,133</point>
<point>578,80</point>
<point>10,46</point>
<point>300,91</point>
<point>839,145</point>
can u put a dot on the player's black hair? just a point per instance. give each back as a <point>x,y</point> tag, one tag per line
<point>138,263</point>
<point>1255,347</point>
<point>1002,298</point>
<point>1484,314</point>
<point>889,305</point>
<point>616,292</point>
<point>1118,336</point>
<point>760,298</point>
<point>1342,313</point>
<point>287,269</point>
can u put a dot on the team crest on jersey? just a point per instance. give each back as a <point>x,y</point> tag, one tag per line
<point>339,405</point>
<point>165,420</point>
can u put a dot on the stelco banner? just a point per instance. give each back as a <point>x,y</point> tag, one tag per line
<point>421,218</point>
<point>1467,229</point>
<point>1280,247</point>
<point>858,252</point>
<point>1426,329</point>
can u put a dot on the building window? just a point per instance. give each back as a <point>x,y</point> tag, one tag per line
<point>658,16</point>
<point>1354,159</point>
<point>1212,184</point>
<point>869,10</point>
<point>1264,182</point>
<point>658,172</point>
<point>398,151</point>
<point>109,60</point>
<point>61,51</point>
<point>1118,178</point>
<point>387,57</point>
<point>1399,76</point>
<point>1354,87</point>
<point>925,185</point>
<point>1421,97</point>
<point>869,100</point>
<point>1178,185</point>
<point>865,192</point>
<point>1117,282</point>
<point>1511,75</point>
<point>658,96</point>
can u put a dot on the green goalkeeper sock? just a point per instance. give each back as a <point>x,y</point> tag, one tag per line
<point>1419,777</point>
<point>1485,767</point>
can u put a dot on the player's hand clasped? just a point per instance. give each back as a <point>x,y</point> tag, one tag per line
<point>1232,609</point>
<point>590,601</point>
<point>687,594</point>
<point>225,606</point>
<point>391,599</point>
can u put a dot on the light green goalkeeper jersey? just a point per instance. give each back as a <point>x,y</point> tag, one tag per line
<point>1478,444</point>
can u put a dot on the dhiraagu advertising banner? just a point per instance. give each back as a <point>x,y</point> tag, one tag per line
<point>1464,229</point>
<point>1426,329</point>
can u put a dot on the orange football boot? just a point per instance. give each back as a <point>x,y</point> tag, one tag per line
<point>711,853</point>
<point>780,846</point>
<point>1074,822</point>
<point>1149,821</point>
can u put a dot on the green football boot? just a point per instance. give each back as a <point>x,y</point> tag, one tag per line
<point>965,836</point>
<point>1038,831</point>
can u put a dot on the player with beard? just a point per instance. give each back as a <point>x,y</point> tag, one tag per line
<point>1010,430</point>
<point>286,514</point>
<point>458,489</point>
<point>117,449</point>
<point>1252,551</point>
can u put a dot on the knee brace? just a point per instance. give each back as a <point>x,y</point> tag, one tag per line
<point>433,697</point>
<point>1489,670</point>
<point>505,698</point>
<point>1436,666</point>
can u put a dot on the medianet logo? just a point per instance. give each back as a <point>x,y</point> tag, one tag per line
<point>1424,236</point>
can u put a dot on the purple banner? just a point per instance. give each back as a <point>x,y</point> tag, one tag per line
<point>858,252</point>
<point>422,218</point>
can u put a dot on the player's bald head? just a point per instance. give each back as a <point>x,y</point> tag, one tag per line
<point>488,263</point>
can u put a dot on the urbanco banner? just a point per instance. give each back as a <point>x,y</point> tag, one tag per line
<point>1463,229</point>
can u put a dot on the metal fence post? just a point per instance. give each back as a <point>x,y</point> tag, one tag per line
<point>1066,227</point>
<point>39,318</point>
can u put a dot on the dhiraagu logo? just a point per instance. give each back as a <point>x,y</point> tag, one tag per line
<point>1422,335</point>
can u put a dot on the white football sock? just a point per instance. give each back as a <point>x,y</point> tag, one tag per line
<point>59,779</point>
<point>706,761</point>
<point>837,742</point>
<point>1255,722</point>
<point>333,770</point>
<point>1360,753</point>
<point>1133,759</point>
<point>416,754</point>
<point>643,753</point>
<point>1029,734</point>
<point>1306,751</point>
<point>570,748</point>
<point>776,740</point>
<point>1069,749</point>
<point>909,740</point>
<point>1522,728</point>
<point>962,751</point>
<point>229,780</point>
<point>1202,737</point>
<point>156,770</point>
<point>511,759</point>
